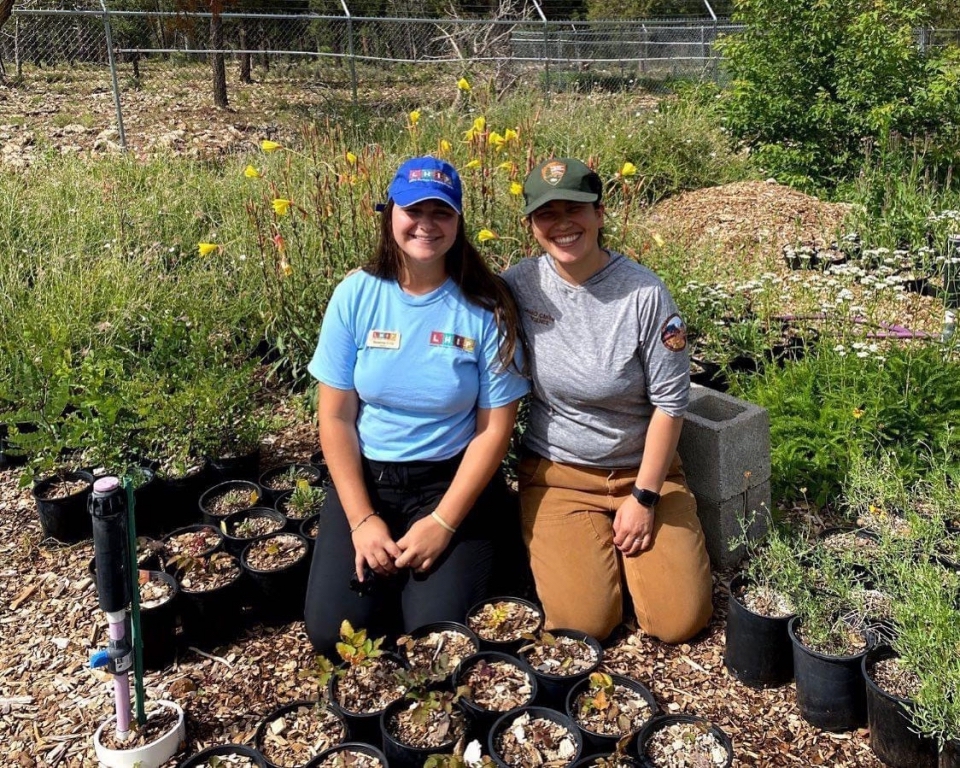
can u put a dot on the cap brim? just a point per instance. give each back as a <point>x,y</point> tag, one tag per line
<point>570,195</point>
<point>405,200</point>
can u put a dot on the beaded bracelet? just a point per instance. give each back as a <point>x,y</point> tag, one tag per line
<point>353,530</point>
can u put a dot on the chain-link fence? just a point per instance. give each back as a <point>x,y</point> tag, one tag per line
<point>516,42</point>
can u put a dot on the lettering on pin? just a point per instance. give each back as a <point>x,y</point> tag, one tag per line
<point>441,339</point>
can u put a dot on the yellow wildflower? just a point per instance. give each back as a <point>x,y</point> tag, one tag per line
<point>351,158</point>
<point>508,165</point>
<point>469,135</point>
<point>444,146</point>
<point>480,124</point>
<point>207,248</point>
<point>516,188</point>
<point>496,140</point>
<point>286,268</point>
<point>485,234</point>
<point>270,146</point>
<point>463,85</point>
<point>471,164</point>
<point>510,135</point>
<point>251,173</point>
<point>857,413</point>
<point>628,170</point>
<point>281,206</point>
<point>658,239</point>
<point>415,117</point>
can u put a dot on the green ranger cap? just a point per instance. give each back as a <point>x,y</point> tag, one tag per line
<point>560,179</point>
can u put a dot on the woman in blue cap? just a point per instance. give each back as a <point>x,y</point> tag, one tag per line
<point>419,382</point>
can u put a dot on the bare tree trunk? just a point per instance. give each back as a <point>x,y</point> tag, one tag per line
<point>216,56</point>
<point>245,55</point>
<point>6,10</point>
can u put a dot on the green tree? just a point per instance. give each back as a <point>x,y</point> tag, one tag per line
<point>814,81</point>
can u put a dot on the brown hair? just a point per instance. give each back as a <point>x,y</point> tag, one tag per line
<point>477,282</point>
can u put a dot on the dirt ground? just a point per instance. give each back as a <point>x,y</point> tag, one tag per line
<point>51,703</point>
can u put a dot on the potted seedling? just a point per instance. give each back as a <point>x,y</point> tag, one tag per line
<point>159,610</point>
<point>491,683</point>
<point>757,650</point>
<point>293,734</point>
<point>426,721</point>
<point>684,741</point>
<point>302,502</point>
<point>61,501</point>
<point>619,758</point>
<point>181,478</point>
<point>277,480</point>
<point>502,622</point>
<point>248,525</point>
<point>608,707</point>
<point>534,736</point>
<point>560,659</point>
<point>365,684</point>
<point>211,590</point>
<point>438,648</point>
<point>221,500</point>
<point>277,567</point>
<point>191,541</point>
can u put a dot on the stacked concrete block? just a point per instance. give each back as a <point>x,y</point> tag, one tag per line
<point>725,448</point>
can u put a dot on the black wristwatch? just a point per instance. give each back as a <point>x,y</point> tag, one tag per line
<point>647,498</point>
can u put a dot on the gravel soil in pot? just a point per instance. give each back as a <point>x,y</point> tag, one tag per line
<point>502,622</point>
<point>294,734</point>
<point>438,648</point>
<point>535,736</point>
<point>684,741</point>
<point>608,707</point>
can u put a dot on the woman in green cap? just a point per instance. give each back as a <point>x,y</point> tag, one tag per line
<point>603,496</point>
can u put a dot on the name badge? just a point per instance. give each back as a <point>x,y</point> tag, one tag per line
<point>383,339</point>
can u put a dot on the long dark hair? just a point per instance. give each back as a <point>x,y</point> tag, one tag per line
<point>465,265</point>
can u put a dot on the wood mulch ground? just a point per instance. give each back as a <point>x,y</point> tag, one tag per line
<point>51,703</point>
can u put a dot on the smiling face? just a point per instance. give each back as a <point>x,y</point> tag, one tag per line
<point>424,232</point>
<point>570,233</point>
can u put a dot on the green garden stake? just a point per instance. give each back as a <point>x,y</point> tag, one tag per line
<point>135,602</point>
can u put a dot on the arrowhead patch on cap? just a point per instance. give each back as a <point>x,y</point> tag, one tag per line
<point>553,172</point>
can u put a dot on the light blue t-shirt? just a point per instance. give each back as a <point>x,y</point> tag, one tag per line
<point>421,366</point>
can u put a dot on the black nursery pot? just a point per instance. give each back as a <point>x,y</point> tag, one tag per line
<point>446,626</point>
<point>889,720</point>
<point>278,596</point>
<point>831,692</point>
<point>507,718</point>
<point>505,646</point>
<point>221,750</point>
<point>600,742</point>
<point>553,689</point>
<point>176,498</point>
<point>623,761</point>
<point>315,474</point>
<point>294,524</point>
<point>243,466</point>
<point>480,720</point>
<point>950,754</point>
<point>236,544</point>
<point>305,526</point>
<point>350,746</point>
<point>166,563</point>
<point>158,625</point>
<point>65,519</point>
<point>260,734</point>
<point>403,755</point>
<point>758,650</point>
<point>317,460</point>
<point>245,486</point>
<point>214,616</point>
<point>362,726</point>
<point>662,721</point>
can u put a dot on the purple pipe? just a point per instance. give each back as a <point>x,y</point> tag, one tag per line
<point>121,685</point>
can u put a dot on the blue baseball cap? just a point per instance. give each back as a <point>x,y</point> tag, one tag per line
<point>426,178</point>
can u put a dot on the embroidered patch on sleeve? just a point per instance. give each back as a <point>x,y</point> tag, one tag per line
<point>441,339</point>
<point>673,334</point>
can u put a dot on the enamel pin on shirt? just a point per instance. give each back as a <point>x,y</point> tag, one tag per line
<point>383,339</point>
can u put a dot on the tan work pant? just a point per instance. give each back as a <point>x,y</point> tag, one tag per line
<point>567,515</point>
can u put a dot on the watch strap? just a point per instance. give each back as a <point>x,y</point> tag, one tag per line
<point>646,497</point>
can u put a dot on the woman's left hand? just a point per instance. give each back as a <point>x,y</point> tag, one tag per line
<point>633,527</point>
<point>422,545</point>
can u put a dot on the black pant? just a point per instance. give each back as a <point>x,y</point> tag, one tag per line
<point>403,493</point>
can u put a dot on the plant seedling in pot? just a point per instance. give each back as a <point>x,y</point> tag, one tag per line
<point>496,685</point>
<point>303,501</point>
<point>368,682</point>
<point>535,736</point>
<point>559,655</point>
<point>505,620</point>
<point>686,742</point>
<point>296,733</point>
<point>609,707</point>
<point>438,652</point>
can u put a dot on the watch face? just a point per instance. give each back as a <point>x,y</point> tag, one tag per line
<point>646,497</point>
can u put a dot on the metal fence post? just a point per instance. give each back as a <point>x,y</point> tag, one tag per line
<point>546,50</point>
<point>353,61</point>
<point>113,74</point>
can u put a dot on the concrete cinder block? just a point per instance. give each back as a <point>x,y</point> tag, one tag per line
<point>723,523</point>
<point>725,445</point>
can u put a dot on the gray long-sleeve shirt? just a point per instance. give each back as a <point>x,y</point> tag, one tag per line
<point>603,354</point>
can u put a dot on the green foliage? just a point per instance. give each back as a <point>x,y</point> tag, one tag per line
<point>813,80</point>
<point>832,405</point>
